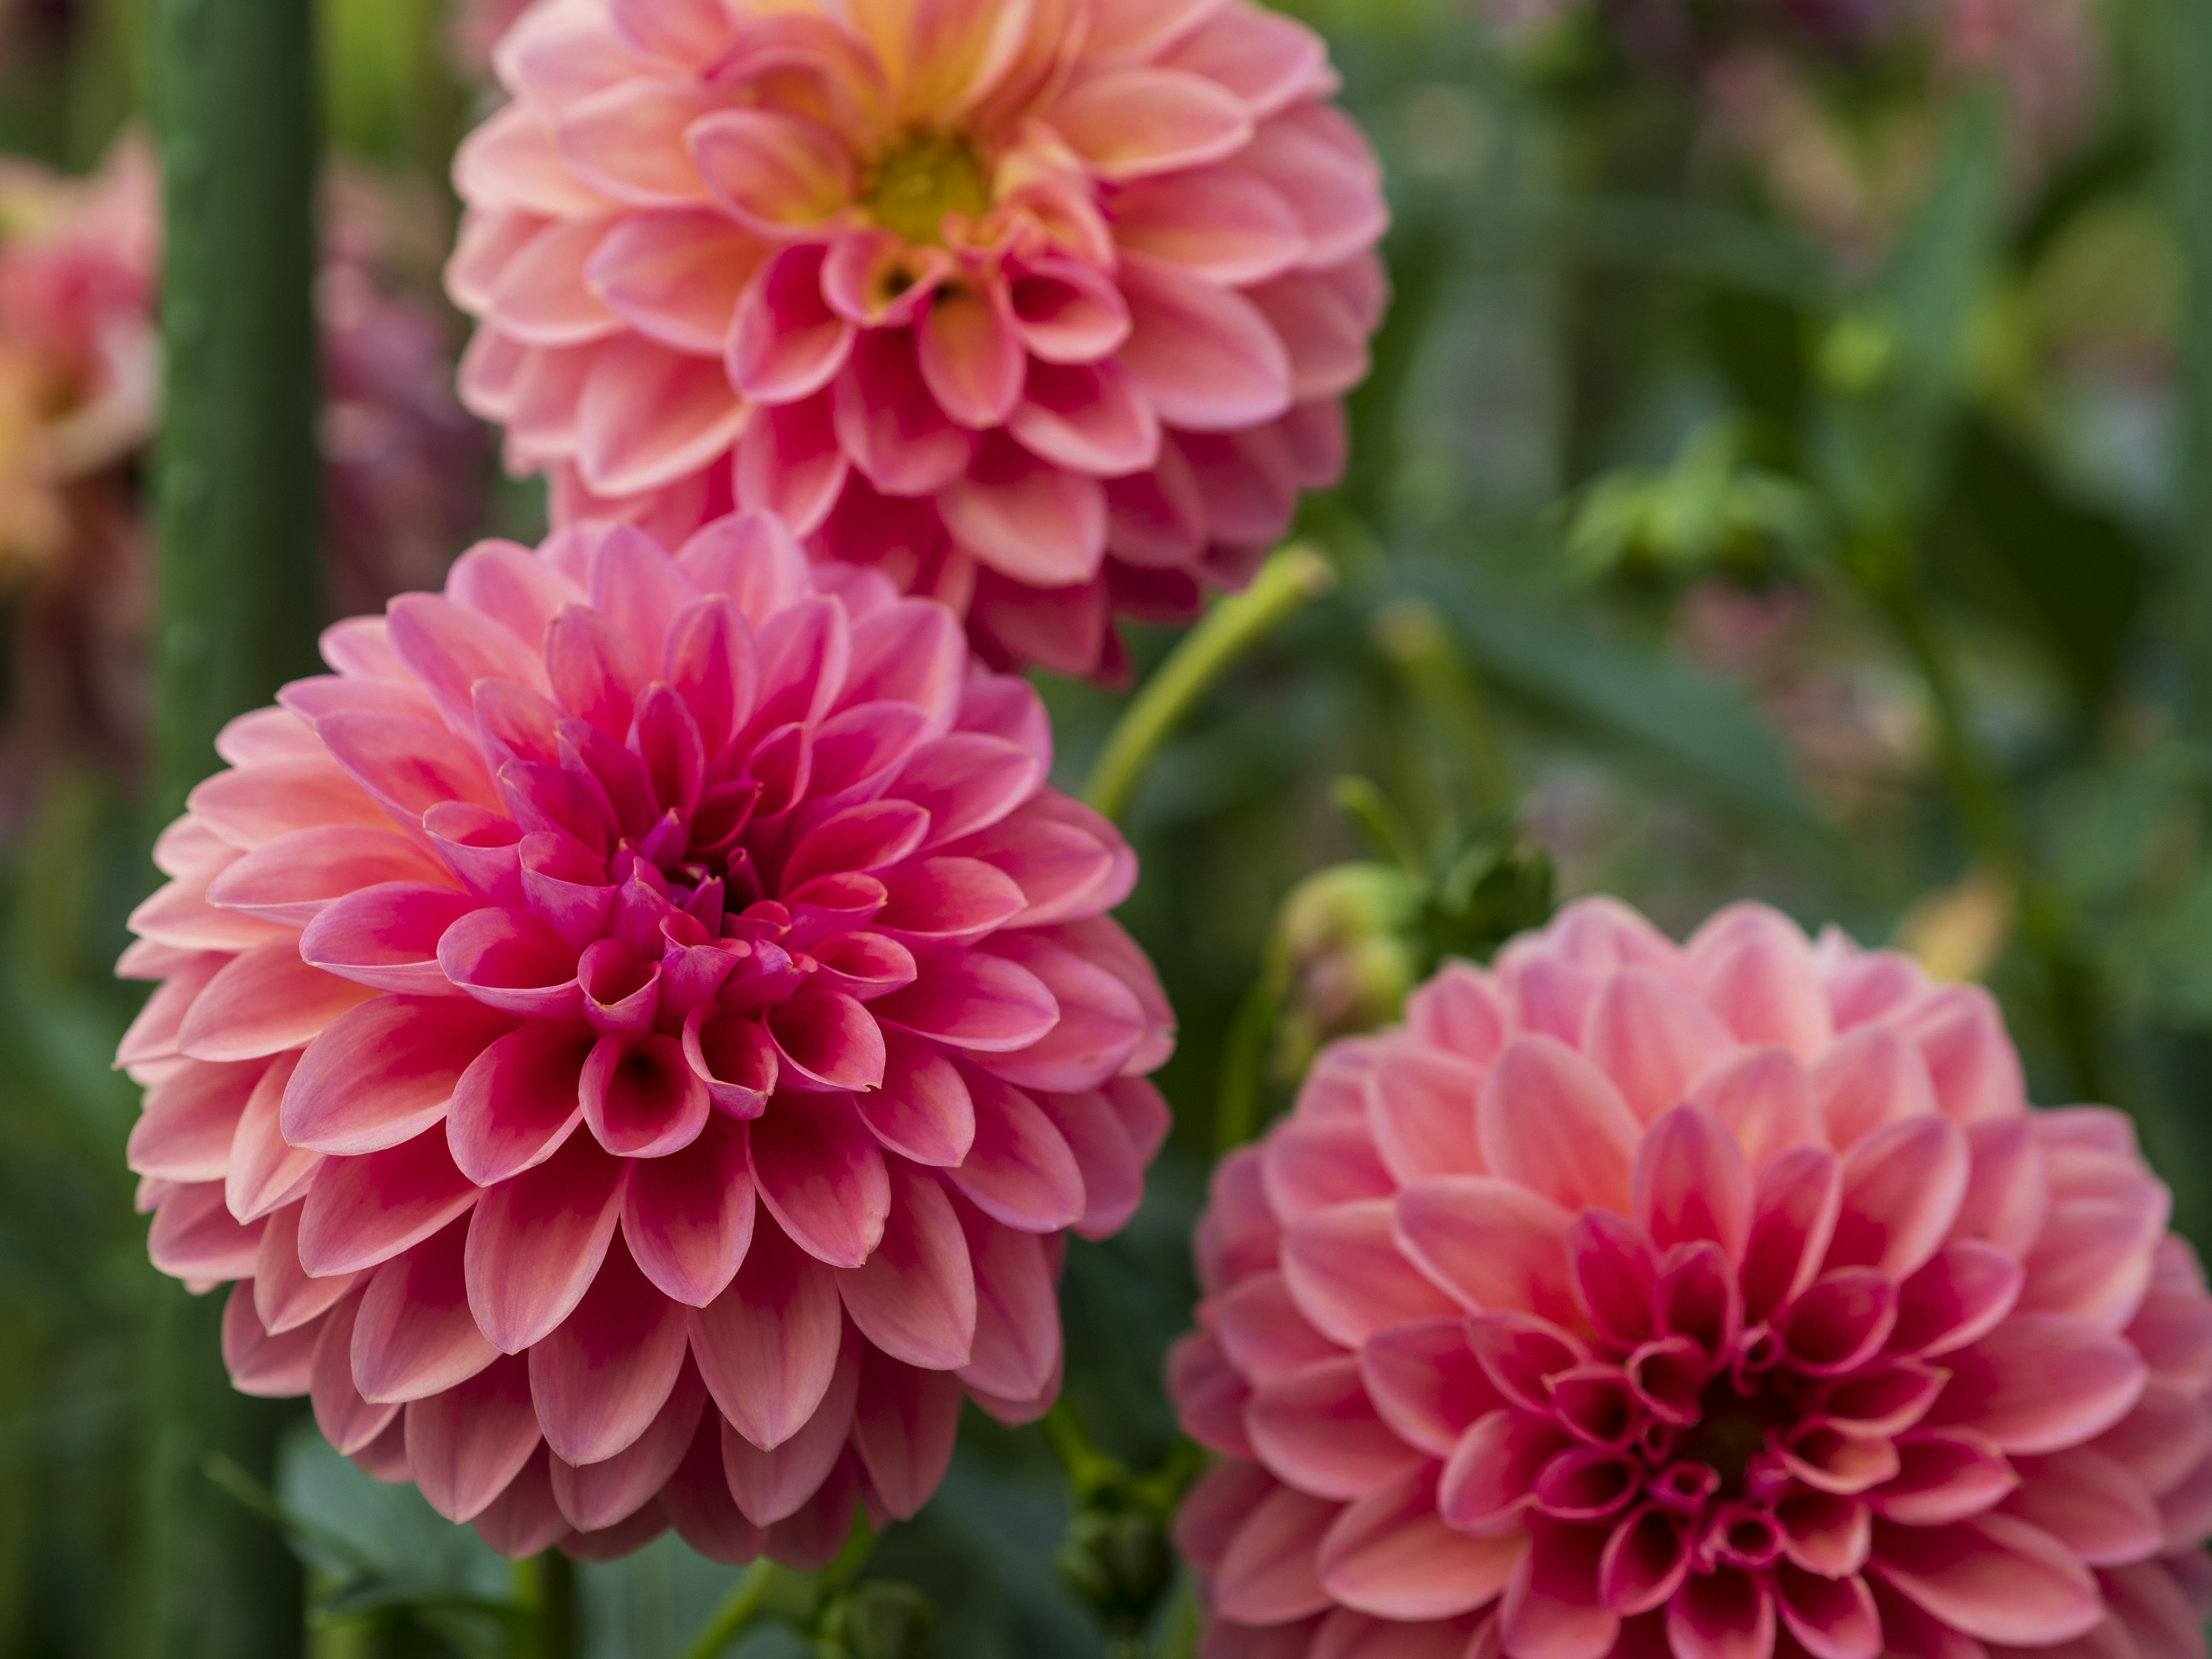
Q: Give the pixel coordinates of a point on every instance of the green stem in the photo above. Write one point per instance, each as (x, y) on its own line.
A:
(549, 1591)
(1286, 584)
(1244, 1062)
(740, 1610)
(1088, 1470)
(236, 526)
(2186, 33)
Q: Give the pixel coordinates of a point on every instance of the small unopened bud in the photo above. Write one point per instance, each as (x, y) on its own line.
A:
(878, 1619)
(1115, 1561)
(1349, 938)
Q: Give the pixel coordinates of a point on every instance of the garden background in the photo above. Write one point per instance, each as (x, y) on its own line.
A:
(1786, 471)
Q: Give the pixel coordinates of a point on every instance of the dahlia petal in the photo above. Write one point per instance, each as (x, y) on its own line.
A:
(822, 1177)
(1902, 1185)
(523, 1520)
(2163, 1438)
(1019, 1169)
(348, 1421)
(1942, 1478)
(888, 423)
(957, 51)
(1220, 223)
(767, 1345)
(600, 1378)
(773, 1485)
(922, 1112)
(1028, 520)
(265, 1000)
(1088, 418)
(915, 1295)
(691, 31)
(1550, 1119)
(1268, 61)
(1101, 1021)
(640, 1097)
(284, 1297)
(968, 781)
(1263, 1333)
(1205, 357)
(1016, 1354)
(465, 1445)
(2090, 1504)
(1839, 1322)
(413, 1334)
(540, 296)
(511, 161)
(687, 1217)
(271, 1366)
(903, 1424)
(1316, 161)
(2039, 1383)
(1209, 1394)
(1134, 123)
(407, 766)
(190, 1121)
(1612, 1272)
(2008, 1195)
(537, 1240)
(1427, 1383)
(1388, 1554)
(812, 1538)
(1794, 1214)
(1959, 1296)
(1269, 1574)
(969, 999)
(969, 354)
(362, 1211)
(266, 1170)
(1728, 1614)
(387, 937)
(2094, 1258)
(1490, 1478)
(1993, 1578)
(1970, 1062)
(1488, 1243)
(648, 416)
(1766, 1099)
(1316, 1429)
(1762, 978)
(1326, 337)
(294, 879)
(1420, 1111)
(384, 1072)
(1311, 1166)
(624, 1538)
(789, 463)
(1691, 1182)
(177, 915)
(775, 172)
(1350, 1280)
(630, 141)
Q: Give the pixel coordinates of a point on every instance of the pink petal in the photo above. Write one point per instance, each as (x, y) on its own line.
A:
(970, 1000)
(191, 1121)
(922, 1112)
(767, 1345)
(1550, 1119)
(787, 344)
(774, 171)
(1943, 1478)
(1261, 1330)
(601, 1376)
(1221, 224)
(1728, 1614)
(537, 1242)
(413, 1336)
(773, 1485)
(2039, 1383)
(523, 1520)
(1653, 1038)
(641, 1096)
(628, 140)
(1311, 1166)
(914, 1298)
(1133, 122)
(1027, 520)
(1793, 1217)
(687, 1217)
(1348, 1277)
(1269, 1575)
(387, 936)
(904, 1424)
(284, 1296)
(349, 1422)
(1691, 1182)
(384, 1072)
(1205, 357)
(649, 416)
(365, 1210)
(970, 355)
(1902, 1185)
(1957, 1298)
(1420, 1111)
(888, 423)
(271, 1367)
(292, 879)
(517, 1102)
(1019, 1168)
(1994, 1578)
(2090, 1504)
(1490, 1244)
(1390, 1555)
(822, 1176)
(1017, 1348)
(1766, 1099)
(1426, 1383)
(1316, 1429)
(463, 1446)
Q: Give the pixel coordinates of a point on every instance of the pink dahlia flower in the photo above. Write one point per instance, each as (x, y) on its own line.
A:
(637, 1032)
(1045, 307)
(1719, 1300)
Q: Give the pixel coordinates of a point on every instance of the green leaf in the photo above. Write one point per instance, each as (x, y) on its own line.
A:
(1687, 724)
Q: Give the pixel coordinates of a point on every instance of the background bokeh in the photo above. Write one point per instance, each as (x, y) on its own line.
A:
(1786, 473)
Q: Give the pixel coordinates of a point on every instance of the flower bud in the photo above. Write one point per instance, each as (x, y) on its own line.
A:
(878, 1619)
(1114, 1560)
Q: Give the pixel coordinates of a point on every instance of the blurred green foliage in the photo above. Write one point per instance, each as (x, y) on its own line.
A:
(1697, 544)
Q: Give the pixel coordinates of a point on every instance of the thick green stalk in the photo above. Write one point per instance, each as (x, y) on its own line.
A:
(236, 521)
(1286, 584)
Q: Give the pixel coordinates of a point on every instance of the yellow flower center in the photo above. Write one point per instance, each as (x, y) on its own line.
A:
(910, 189)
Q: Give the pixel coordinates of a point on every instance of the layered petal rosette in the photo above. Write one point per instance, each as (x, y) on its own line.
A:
(1716, 1301)
(636, 1032)
(1046, 307)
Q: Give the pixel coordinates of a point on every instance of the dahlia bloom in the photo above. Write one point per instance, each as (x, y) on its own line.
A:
(1720, 1300)
(1045, 307)
(636, 1032)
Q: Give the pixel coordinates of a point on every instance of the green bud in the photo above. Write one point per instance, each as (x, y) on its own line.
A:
(1349, 940)
(878, 1618)
(1115, 1561)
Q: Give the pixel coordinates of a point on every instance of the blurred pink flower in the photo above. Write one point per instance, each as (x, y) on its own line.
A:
(1044, 306)
(1724, 1300)
(637, 1032)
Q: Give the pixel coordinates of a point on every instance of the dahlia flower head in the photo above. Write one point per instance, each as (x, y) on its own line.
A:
(1716, 1301)
(636, 1033)
(1045, 307)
